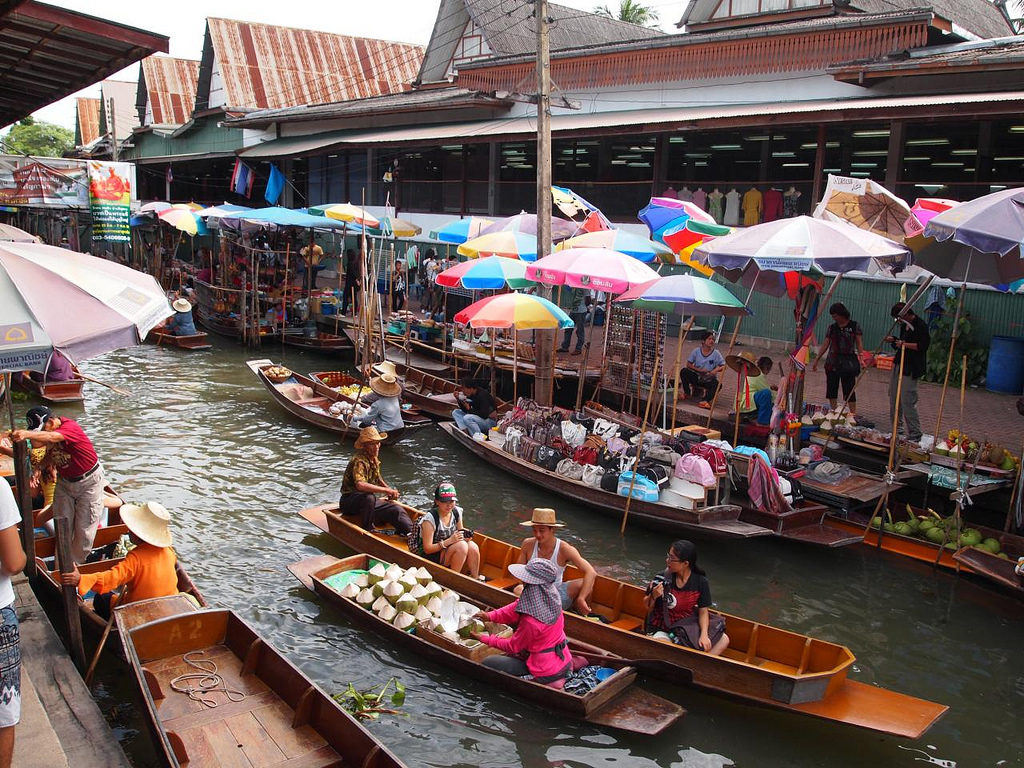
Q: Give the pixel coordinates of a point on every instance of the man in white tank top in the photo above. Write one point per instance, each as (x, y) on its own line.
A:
(547, 546)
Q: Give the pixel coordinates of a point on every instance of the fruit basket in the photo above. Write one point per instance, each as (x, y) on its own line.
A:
(277, 373)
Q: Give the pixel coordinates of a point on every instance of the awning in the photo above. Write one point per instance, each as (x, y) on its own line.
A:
(645, 119)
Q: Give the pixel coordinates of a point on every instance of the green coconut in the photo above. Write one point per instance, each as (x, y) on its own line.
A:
(903, 529)
(423, 576)
(362, 581)
(394, 572)
(403, 620)
(393, 591)
(971, 537)
(468, 626)
(433, 588)
(350, 590)
(387, 613)
(376, 573)
(876, 522)
(419, 594)
(434, 604)
(422, 614)
(935, 534)
(407, 582)
(407, 603)
(379, 604)
(365, 598)
(992, 545)
(380, 586)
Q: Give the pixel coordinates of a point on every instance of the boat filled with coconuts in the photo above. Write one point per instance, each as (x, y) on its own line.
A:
(419, 609)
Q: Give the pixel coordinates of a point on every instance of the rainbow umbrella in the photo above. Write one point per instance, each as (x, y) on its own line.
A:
(487, 274)
(184, 219)
(598, 268)
(527, 224)
(514, 310)
(351, 214)
(637, 246)
(507, 242)
(685, 295)
(393, 227)
(572, 204)
(662, 211)
(460, 230)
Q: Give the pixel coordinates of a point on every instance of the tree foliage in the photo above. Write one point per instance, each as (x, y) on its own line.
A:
(967, 344)
(33, 137)
(632, 12)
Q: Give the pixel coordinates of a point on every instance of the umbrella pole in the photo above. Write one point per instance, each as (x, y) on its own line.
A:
(492, 359)
(284, 291)
(949, 358)
(515, 367)
(741, 376)
(640, 445)
(632, 356)
(882, 506)
(679, 363)
(732, 346)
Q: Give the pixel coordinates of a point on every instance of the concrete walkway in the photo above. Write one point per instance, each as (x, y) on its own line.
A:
(60, 723)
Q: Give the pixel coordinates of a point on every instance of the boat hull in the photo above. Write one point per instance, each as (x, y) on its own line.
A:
(193, 341)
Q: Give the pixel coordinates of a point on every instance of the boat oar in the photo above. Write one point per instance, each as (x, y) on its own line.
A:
(119, 390)
(103, 637)
(882, 507)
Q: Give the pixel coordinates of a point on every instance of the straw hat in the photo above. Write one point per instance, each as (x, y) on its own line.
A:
(150, 522)
(181, 305)
(536, 571)
(384, 366)
(543, 516)
(370, 435)
(386, 385)
(743, 360)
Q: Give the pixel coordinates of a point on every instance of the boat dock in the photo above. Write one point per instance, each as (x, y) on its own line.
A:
(61, 725)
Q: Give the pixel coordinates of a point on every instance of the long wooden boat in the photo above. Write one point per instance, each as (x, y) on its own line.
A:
(310, 401)
(229, 327)
(720, 520)
(985, 566)
(763, 664)
(321, 342)
(281, 717)
(192, 341)
(68, 391)
(614, 702)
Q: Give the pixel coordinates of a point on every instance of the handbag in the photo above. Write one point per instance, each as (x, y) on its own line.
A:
(713, 455)
(570, 469)
(604, 428)
(548, 458)
(656, 473)
(513, 435)
(610, 481)
(585, 455)
(574, 434)
(663, 454)
(593, 475)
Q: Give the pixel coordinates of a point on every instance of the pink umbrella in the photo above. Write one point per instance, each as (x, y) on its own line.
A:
(601, 269)
(927, 208)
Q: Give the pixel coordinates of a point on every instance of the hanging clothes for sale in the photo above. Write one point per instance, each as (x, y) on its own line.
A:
(772, 204)
(791, 202)
(715, 205)
(700, 199)
(753, 202)
(732, 208)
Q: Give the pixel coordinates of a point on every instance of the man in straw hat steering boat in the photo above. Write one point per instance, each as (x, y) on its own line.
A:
(362, 482)
(181, 324)
(545, 545)
(147, 570)
(386, 410)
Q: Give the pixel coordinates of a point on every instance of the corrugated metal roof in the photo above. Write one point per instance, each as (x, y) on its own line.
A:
(638, 120)
(170, 88)
(125, 116)
(264, 66)
(1007, 53)
(87, 120)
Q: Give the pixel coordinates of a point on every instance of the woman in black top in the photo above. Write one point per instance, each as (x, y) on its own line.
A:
(844, 343)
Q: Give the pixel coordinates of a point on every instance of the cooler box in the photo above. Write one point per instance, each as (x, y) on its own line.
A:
(684, 494)
(644, 488)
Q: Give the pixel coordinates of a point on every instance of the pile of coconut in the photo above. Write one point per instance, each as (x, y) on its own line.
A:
(411, 598)
(826, 421)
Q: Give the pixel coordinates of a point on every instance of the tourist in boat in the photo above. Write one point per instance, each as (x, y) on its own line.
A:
(146, 571)
(440, 535)
(12, 561)
(386, 410)
(477, 411)
(363, 481)
(79, 493)
(700, 376)
(545, 545)
(678, 603)
(181, 323)
(844, 344)
(913, 343)
(538, 646)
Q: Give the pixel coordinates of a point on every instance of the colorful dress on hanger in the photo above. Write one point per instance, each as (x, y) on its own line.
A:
(700, 199)
(772, 204)
(753, 201)
(791, 204)
(732, 208)
(715, 206)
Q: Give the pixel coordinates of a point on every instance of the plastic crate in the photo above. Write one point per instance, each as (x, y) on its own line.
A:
(885, 362)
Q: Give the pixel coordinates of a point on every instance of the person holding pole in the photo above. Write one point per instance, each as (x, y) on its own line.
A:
(913, 340)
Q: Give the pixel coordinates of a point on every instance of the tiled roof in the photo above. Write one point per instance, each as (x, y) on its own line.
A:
(980, 17)
(1007, 53)
(87, 120)
(170, 88)
(265, 66)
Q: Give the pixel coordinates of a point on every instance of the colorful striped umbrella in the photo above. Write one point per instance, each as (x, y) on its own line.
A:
(506, 242)
(514, 310)
(637, 246)
(351, 214)
(488, 274)
(184, 219)
(393, 227)
(600, 269)
(527, 224)
(460, 230)
(685, 295)
(664, 210)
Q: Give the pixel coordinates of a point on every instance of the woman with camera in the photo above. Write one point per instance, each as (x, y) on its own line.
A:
(440, 536)
(678, 603)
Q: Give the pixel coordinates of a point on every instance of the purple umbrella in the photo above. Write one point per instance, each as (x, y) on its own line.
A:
(526, 223)
(992, 224)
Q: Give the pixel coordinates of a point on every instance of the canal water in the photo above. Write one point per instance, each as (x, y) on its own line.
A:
(200, 435)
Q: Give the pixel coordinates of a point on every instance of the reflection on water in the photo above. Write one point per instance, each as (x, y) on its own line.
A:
(201, 435)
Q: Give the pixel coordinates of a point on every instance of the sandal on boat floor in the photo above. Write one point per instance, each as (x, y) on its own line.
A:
(704, 404)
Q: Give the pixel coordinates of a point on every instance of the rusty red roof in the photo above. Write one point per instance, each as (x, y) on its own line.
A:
(87, 120)
(167, 90)
(262, 66)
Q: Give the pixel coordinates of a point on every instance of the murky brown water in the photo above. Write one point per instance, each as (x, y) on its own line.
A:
(200, 435)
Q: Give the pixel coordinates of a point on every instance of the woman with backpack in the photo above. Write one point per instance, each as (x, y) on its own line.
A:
(439, 536)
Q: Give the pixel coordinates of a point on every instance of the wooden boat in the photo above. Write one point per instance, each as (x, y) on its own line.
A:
(321, 342)
(969, 560)
(614, 702)
(764, 664)
(282, 718)
(720, 520)
(54, 391)
(192, 341)
(432, 395)
(310, 401)
(223, 325)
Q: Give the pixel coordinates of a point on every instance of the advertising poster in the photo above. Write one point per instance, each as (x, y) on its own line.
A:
(43, 181)
(110, 200)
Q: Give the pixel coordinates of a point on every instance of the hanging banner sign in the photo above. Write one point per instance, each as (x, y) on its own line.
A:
(110, 200)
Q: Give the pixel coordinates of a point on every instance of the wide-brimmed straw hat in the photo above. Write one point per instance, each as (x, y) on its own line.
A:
(181, 305)
(386, 385)
(370, 435)
(536, 571)
(384, 366)
(743, 360)
(543, 516)
(150, 521)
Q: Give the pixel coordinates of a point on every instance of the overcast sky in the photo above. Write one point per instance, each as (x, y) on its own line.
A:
(408, 21)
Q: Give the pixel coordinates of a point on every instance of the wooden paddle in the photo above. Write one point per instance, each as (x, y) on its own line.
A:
(106, 633)
(119, 390)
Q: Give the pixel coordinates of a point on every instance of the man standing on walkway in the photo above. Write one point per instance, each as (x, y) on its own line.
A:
(79, 493)
(579, 303)
(353, 281)
(913, 341)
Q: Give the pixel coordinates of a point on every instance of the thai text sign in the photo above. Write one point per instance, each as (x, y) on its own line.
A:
(110, 199)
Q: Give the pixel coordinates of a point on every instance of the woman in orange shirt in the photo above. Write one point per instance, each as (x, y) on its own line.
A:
(147, 570)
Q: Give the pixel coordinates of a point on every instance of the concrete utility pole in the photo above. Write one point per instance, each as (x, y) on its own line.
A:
(543, 387)
(113, 129)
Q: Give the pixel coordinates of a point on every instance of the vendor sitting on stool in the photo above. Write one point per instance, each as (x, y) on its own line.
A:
(181, 324)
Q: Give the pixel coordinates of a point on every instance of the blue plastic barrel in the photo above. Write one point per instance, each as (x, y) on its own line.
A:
(1005, 365)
